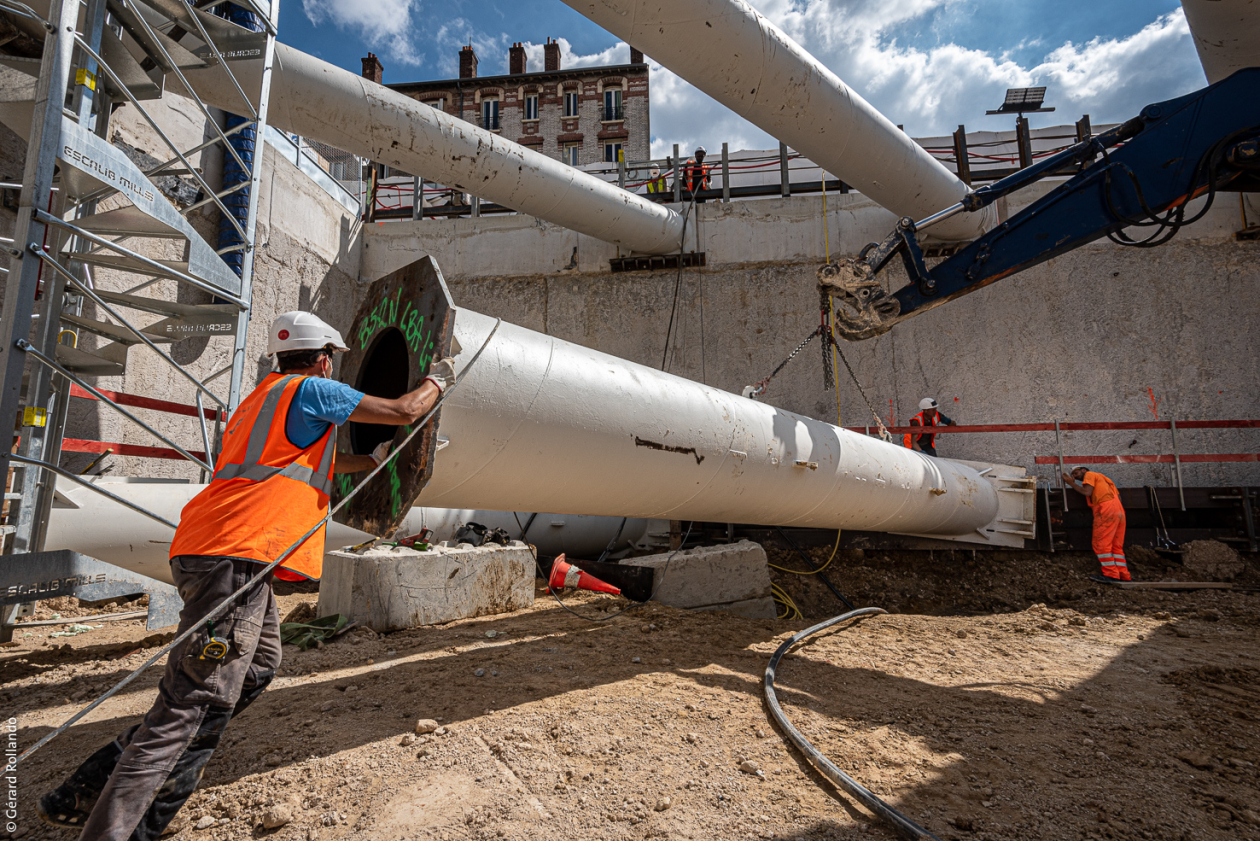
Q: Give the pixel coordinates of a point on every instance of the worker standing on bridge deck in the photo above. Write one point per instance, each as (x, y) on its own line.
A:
(656, 182)
(1109, 520)
(929, 415)
(271, 485)
(697, 174)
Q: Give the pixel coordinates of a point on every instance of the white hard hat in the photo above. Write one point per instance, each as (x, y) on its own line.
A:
(927, 403)
(302, 331)
(700, 151)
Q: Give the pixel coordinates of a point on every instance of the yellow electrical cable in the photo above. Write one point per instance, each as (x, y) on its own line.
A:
(790, 610)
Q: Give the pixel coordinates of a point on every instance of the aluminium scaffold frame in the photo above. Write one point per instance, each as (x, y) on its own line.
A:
(98, 55)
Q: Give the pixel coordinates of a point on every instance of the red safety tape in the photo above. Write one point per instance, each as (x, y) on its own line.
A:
(124, 399)
(80, 445)
(1069, 427)
(1199, 458)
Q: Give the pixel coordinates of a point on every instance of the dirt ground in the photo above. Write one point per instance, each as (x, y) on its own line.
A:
(1006, 696)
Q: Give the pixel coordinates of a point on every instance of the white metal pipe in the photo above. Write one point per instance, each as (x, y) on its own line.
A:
(727, 49)
(101, 528)
(1226, 34)
(318, 100)
(544, 423)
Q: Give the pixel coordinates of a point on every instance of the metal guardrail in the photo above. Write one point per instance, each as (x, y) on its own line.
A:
(294, 154)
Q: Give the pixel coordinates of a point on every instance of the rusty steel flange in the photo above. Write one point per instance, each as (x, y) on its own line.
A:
(406, 321)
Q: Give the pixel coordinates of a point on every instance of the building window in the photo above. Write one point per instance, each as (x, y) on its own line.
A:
(531, 106)
(613, 152)
(439, 104)
(613, 109)
(570, 103)
(490, 114)
(569, 153)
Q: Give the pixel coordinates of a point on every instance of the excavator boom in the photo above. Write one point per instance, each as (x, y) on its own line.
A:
(1138, 177)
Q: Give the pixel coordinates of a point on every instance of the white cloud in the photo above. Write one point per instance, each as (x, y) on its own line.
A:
(385, 25)
(934, 90)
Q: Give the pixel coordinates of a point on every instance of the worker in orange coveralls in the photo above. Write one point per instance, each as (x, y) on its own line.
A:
(1108, 520)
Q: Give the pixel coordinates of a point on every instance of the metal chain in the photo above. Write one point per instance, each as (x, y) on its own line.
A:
(830, 340)
(760, 388)
(883, 430)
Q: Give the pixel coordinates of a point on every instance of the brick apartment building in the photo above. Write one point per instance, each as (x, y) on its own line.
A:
(579, 116)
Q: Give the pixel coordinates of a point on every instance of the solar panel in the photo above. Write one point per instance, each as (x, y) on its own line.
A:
(1029, 97)
(1022, 100)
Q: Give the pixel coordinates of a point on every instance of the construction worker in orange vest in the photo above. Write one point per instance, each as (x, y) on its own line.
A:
(1109, 520)
(697, 174)
(270, 486)
(929, 415)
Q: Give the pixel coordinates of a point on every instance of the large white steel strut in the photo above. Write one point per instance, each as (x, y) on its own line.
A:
(1226, 35)
(545, 424)
(727, 49)
(318, 100)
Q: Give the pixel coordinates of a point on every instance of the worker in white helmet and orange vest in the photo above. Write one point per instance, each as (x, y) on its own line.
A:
(271, 485)
(929, 415)
(1109, 520)
(697, 174)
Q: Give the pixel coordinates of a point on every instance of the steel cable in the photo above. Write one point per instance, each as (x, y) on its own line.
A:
(267, 570)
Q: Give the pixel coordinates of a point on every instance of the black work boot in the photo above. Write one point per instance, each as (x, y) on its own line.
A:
(69, 804)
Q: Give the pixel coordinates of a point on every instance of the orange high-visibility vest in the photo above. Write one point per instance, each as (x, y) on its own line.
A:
(1104, 489)
(931, 442)
(265, 493)
(697, 175)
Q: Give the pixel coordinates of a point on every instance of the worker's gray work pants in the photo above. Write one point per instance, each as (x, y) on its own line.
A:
(163, 757)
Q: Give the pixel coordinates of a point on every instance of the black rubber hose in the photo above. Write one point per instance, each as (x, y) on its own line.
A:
(843, 781)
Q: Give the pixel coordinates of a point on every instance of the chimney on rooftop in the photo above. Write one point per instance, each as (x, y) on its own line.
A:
(467, 63)
(551, 51)
(516, 59)
(372, 68)
(636, 57)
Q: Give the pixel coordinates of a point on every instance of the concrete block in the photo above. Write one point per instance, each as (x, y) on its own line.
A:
(391, 588)
(710, 575)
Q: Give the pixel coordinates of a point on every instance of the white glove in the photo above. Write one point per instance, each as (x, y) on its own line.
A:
(379, 454)
(442, 373)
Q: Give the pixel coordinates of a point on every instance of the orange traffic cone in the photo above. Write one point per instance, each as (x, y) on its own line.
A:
(564, 574)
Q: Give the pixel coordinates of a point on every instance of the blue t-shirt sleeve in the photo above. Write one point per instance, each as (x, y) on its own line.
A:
(319, 403)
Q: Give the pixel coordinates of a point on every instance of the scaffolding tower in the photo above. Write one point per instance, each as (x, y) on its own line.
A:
(88, 206)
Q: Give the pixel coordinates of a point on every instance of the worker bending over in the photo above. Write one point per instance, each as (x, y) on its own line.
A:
(270, 486)
(929, 415)
(1109, 520)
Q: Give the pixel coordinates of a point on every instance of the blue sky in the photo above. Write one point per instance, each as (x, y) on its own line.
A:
(930, 64)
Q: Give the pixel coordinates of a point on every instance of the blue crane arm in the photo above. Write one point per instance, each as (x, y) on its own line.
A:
(1139, 177)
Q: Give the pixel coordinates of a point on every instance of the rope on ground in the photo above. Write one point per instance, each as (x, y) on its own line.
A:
(904, 825)
(267, 570)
